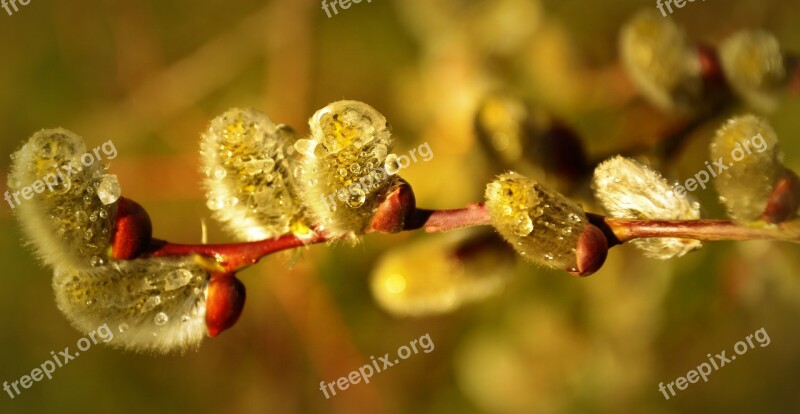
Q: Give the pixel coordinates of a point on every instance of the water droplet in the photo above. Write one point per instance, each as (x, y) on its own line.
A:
(177, 278)
(151, 303)
(355, 168)
(103, 213)
(161, 318)
(392, 166)
(523, 225)
(96, 261)
(343, 172)
(215, 203)
(88, 235)
(123, 327)
(268, 164)
(356, 198)
(219, 172)
(109, 190)
(380, 151)
(81, 216)
(185, 318)
(548, 256)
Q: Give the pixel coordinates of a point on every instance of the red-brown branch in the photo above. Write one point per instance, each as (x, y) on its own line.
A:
(236, 256)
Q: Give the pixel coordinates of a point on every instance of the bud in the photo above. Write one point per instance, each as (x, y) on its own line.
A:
(785, 198)
(346, 169)
(754, 66)
(154, 304)
(247, 165)
(441, 273)
(66, 208)
(544, 226)
(132, 230)
(532, 142)
(396, 209)
(747, 147)
(628, 189)
(226, 295)
(661, 62)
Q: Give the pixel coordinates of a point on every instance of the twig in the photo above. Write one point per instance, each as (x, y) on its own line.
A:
(236, 256)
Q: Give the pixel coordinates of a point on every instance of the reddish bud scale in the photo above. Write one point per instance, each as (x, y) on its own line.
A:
(784, 200)
(395, 210)
(710, 66)
(224, 302)
(591, 251)
(132, 230)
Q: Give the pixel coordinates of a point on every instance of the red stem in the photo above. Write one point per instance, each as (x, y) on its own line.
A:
(236, 256)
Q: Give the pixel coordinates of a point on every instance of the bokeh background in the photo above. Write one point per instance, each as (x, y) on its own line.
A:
(149, 75)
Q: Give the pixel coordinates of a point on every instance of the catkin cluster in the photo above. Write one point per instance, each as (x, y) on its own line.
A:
(679, 76)
(153, 304)
(263, 181)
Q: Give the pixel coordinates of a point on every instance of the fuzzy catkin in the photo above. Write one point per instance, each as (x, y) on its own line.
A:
(754, 66)
(539, 223)
(346, 167)
(748, 146)
(629, 189)
(70, 225)
(425, 278)
(661, 62)
(149, 304)
(247, 164)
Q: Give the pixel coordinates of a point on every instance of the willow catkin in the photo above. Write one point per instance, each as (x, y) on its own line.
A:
(430, 277)
(538, 222)
(69, 216)
(747, 147)
(155, 304)
(754, 66)
(247, 164)
(629, 189)
(661, 62)
(346, 167)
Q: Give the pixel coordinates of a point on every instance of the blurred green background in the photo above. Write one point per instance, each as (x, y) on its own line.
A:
(149, 75)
